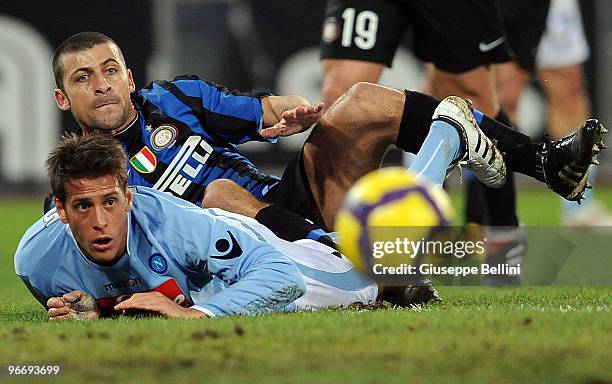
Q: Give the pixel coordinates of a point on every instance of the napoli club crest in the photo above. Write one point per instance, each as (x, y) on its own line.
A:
(158, 264)
(163, 137)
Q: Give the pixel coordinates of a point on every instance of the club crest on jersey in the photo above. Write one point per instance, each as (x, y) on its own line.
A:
(331, 30)
(158, 264)
(163, 137)
(144, 161)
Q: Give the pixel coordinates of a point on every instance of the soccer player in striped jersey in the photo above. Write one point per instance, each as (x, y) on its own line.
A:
(180, 135)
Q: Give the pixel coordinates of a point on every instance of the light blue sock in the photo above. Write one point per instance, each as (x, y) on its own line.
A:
(440, 148)
(571, 207)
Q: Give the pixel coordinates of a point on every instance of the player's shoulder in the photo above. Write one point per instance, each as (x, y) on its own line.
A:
(192, 86)
(45, 242)
(147, 196)
(156, 86)
(180, 92)
(154, 206)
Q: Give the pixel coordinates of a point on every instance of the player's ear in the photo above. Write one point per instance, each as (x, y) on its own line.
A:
(131, 84)
(61, 100)
(61, 212)
(129, 197)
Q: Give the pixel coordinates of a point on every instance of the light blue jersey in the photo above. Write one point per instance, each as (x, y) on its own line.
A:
(198, 259)
(212, 260)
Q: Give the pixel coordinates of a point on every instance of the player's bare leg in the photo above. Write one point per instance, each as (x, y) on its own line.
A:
(568, 104)
(228, 195)
(477, 84)
(511, 80)
(350, 140)
(339, 75)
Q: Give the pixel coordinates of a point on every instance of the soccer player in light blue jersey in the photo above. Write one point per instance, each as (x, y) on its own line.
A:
(108, 249)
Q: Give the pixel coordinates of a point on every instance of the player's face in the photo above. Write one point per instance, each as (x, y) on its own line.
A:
(97, 87)
(96, 211)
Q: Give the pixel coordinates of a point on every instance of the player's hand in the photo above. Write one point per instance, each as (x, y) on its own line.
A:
(157, 303)
(294, 121)
(75, 305)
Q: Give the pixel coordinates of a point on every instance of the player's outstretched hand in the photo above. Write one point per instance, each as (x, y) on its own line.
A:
(294, 121)
(73, 305)
(156, 302)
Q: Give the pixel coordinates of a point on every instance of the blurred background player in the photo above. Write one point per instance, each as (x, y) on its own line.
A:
(556, 59)
(461, 39)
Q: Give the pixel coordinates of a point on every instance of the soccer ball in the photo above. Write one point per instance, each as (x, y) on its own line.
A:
(386, 204)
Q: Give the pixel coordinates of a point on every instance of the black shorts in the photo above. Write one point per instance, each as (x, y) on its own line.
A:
(293, 193)
(524, 22)
(455, 35)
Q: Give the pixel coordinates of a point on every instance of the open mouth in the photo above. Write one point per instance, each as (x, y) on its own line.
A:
(102, 243)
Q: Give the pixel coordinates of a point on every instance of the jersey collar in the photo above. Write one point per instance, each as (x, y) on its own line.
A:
(128, 126)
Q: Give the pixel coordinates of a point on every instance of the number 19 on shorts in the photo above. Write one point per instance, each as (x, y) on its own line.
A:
(359, 28)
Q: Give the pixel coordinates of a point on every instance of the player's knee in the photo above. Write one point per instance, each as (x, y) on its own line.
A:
(466, 87)
(509, 97)
(217, 191)
(366, 97)
(475, 84)
(348, 109)
(360, 91)
(332, 91)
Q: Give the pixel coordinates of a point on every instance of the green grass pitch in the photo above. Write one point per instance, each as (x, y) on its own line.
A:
(553, 334)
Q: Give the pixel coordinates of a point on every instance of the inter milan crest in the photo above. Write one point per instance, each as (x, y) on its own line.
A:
(163, 137)
(144, 161)
(331, 30)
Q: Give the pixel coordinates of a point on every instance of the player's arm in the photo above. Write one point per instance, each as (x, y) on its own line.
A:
(156, 302)
(262, 280)
(73, 305)
(258, 277)
(288, 115)
(227, 116)
(238, 117)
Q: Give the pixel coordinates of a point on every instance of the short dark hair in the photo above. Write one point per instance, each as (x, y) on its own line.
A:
(75, 43)
(88, 156)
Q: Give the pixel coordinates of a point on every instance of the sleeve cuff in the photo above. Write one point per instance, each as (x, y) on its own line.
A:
(206, 311)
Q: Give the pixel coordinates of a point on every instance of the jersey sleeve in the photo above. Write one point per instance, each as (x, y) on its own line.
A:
(258, 278)
(38, 295)
(40, 255)
(261, 279)
(233, 116)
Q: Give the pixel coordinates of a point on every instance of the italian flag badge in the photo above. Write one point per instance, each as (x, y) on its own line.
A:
(144, 161)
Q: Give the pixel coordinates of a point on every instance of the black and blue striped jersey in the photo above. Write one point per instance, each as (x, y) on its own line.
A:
(185, 137)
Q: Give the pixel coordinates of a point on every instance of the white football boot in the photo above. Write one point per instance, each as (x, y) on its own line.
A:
(480, 155)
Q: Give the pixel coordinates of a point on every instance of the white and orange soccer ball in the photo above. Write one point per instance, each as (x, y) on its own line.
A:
(388, 202)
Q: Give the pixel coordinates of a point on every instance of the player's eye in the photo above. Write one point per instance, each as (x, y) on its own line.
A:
(111, 202)
(82, 78)
(82, 206)
(111, 71)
